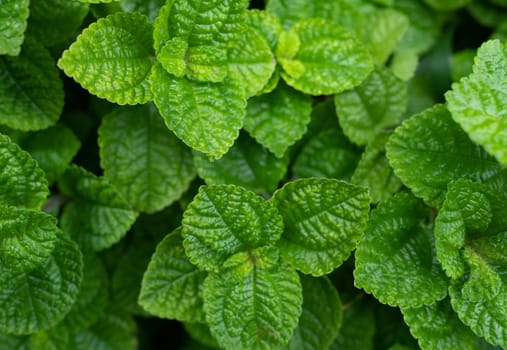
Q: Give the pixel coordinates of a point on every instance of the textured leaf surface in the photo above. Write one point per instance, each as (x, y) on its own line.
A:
(31, 92)
(436, 326)
(321, 317)
(149, 8)
(171, 284)
(13, 16)
(478, 104)
(431, 143)
(22, 182)
(327, 154)
(323, 221)
(40, 298)
(374, 171)
(119, 45)
(27, 238)
(53, 149)
(225, 219)
(278, 119)
(254, 302)
(319, 58)
(379, 102)
(265, 24)
(247, 164)
(357, 330)
(147, 164)
(206, 116)
(395, 260)
(97, 216)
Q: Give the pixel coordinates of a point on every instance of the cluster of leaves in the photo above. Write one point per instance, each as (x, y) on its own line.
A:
(324, 184)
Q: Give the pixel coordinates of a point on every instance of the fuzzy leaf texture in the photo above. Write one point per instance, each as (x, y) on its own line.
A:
(395, 260)
(431, 143)
(477, 102)
(13, 17)
(31, 92)
(223, 220)
(254, 301)
(147, 164)
(323, 219)
(22, 182)
(97, 216)
(205, 116)
(320, 58)
(119, 45)
(171, 284)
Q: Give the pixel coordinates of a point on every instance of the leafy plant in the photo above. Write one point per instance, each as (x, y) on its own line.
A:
(280, 175)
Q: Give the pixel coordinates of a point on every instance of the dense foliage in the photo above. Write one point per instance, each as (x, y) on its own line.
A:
(205, 174)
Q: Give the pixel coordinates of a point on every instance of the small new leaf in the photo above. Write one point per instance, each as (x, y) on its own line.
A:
(13, 16)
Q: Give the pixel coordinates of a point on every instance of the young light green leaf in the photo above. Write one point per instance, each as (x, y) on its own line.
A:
(247, 164)
(40, 298)
(54, 21)
(223, 220)
(278, 119)
(97, 216)
(323, 58)
(31, 92)
(323, 219)
(477, 103)
(395, 259)
(431, 143)
(404, 64)
(149, 8)
(384, 30)
(119, 45)
(447, 5)
(357, 330)
(206, 116)
(53, 149)
(267, 25)
(436, 326)
(328, 154)
(374, 172)
(251, 62)
(13, 18)
(22, 182)
(27, 238)
(147, 164)
(321, 318)
(379, 102)
(253, 302)
(171, 284)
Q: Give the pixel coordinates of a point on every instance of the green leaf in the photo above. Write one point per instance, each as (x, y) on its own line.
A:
(31, 92)
(323, 219)
(395, 259)
(201, 333)
(223, 220)
(119, 45)
(431, 143)
(384, 30)
(404, 64)
(12, 342)
(253, 302)
(357, 330)
(462, 63)
(374, 172)
(54, 21)
(267, 25)
(436, 326)
(56, 338)
(13, 18)
(40, 298)
(447, 5)
(27, 238)
(323, 58)
(486, 13)
(477, 102)
(22, 182)
(251, 61)
(321, 318)
(171, 284)
(147, 164)
(328, 154)
(379, 102)
(149, 8)
(97, 216)
(206, 116)
(201, 32)
(247, 164)
(53, 149)
(278, 119)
